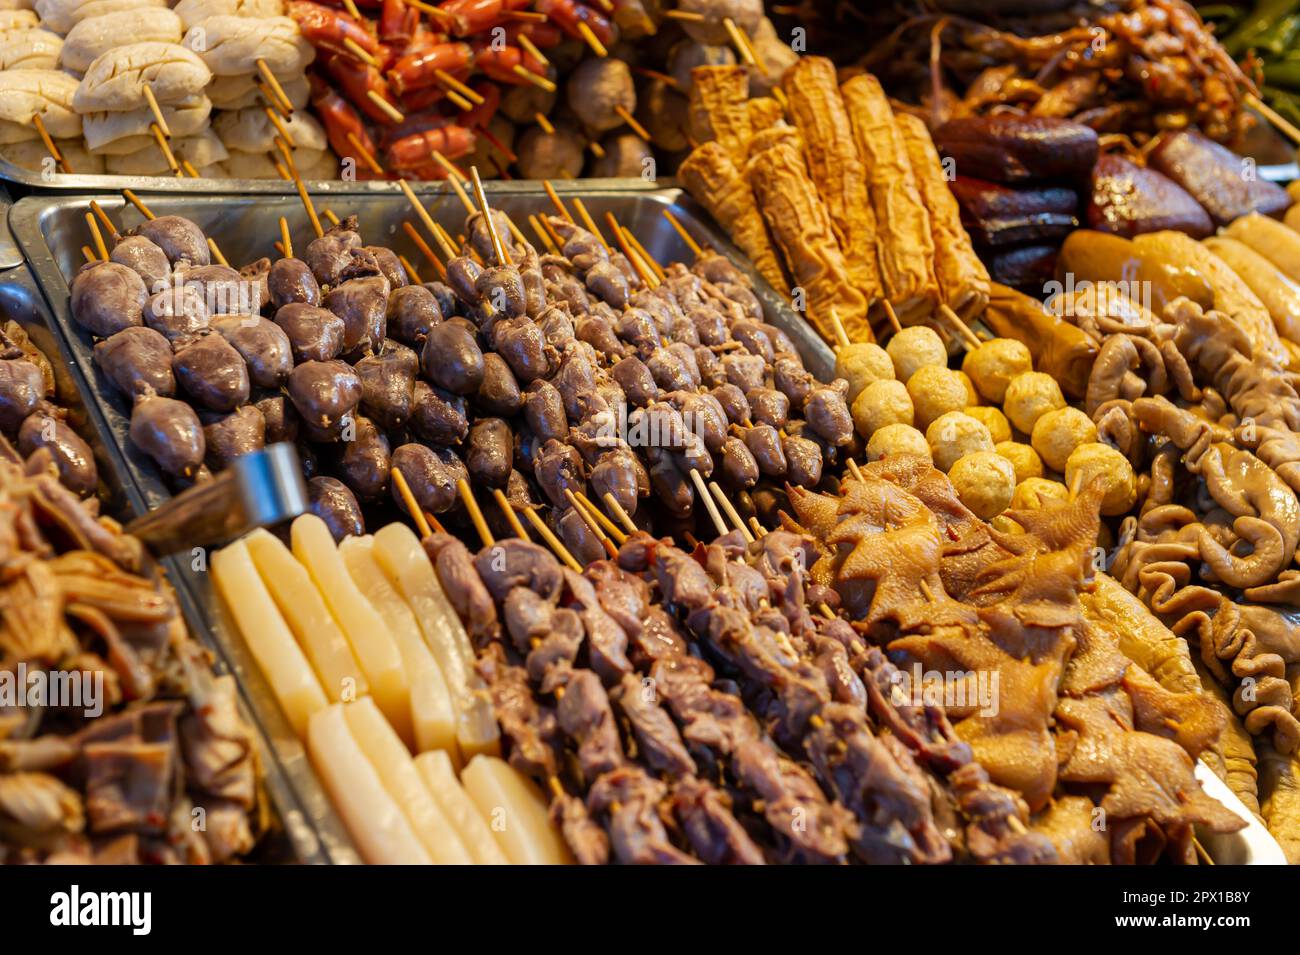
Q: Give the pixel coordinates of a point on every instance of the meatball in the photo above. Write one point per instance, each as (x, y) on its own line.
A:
(1057, 433)
(861, 364)
(882, 403)
(452, 359)
(895, 439)
(747, 14)
(992, 366)
(544, 155)
(627, 156)
(597, 88)
(1030, 396)
(1022, 457)
(1101, 462)
(1033, 492)
(985, 482)
(993, 419)
(935, 390)
(954, 435)
(916, 347)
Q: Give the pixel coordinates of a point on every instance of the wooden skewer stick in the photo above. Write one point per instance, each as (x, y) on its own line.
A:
(757, 528)
(364, 154)
(503, 255)
(454, 177)
(436, 12)
(841, 336)
(590, 223)
(616, 509)
(385, 107)
(703, 494)
(359, 52)
(154, 108)
(1273, 116)
(550, 230)
(306, 200)
(745, 46)
(556, 201)
(641, 268)
(446, 243)
(419, 208)
(592, 40)
(541, 82)
(656, 75)
(216, 253)
(351, 7)
(641, 251)
(450, 82)
(189, 169)
(423, 246)
(512, 518)
(460, 102)
(597, 149)
(542, 234)
(50, 147)
(606, 5)
(891, 315)
(729, 510)
(610, 527)
(286, 243)
(857, 472)
(282, 102)
(132, 198)
(544, 123)
(681, 230)
(166, 149)
(592, 524)
(100, 214)
(412, 507)
(329, 214)
(684, 15)
(96, 235)
(475, 515)
(533, 16)
(89, 254)
(551, 540)
(968, 336)
(282, 129)
(529, 47)
(410, 269)
(282, 172)
(631, 121)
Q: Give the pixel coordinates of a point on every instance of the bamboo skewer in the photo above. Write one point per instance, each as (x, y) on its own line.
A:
(166, 149)
(503, 256)
(89, 254)
(616, 509)
(968, 336)
(423, 246)
(306, 200)
(132, 198)
(286, 243)
(49, 143)
(641, 250)
(100, 214)
(364, 154)
(590, 223)
(592, 40)
(410, 269)
(684, 15)
(512, 518)
(454, 177)
(1274, 117)
(631, 121)
(445, 243)
(529, 47)
(475, 515)
(597, 149)
(591, 523)
(730, 511)
(412, 506)
(681, 230)
(544, 123)
(154, 108)
(216, 253)
(419, 208)
(891, 315)
(543, 236)
(97, 236)
(551, 540)
(841, 336)
(541, 82)
(189, 169)
(703, 494)
(359, 52)
(282, 102)
(745, 46)
(610, 527)
(385, 107)
(555, 201)
(640, 267)
(450, 82)
(282, 129)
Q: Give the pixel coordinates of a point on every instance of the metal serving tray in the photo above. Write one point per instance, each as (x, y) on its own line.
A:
(294, 836)
(50, 231)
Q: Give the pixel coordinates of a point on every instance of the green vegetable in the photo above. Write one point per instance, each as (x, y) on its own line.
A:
(1260, 20)
(1280, 37)
(1284, 73)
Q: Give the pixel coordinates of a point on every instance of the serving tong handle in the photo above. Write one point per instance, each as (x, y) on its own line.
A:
(259, 489)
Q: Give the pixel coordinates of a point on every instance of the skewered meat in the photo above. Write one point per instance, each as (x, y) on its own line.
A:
(169, 432)
(1214, 177)
(1007, 148)
(412, 311)
(229, 436)
(290, 280)
(499, 393)
(135, 359)
(70, 453)
(331, 501)
(431, 474)
(212, 372)
(108, 297)
(329, 255)
(262, 344)
(178, 237)
(142, 256)
(437, 416)
(558, 468)
(1128, 199)
(323, 392)
(388, 385)
(364, 464)
(315, 334)
(21, 389)
(452, 359)
(178, 312)
(362, 303)
(490, 452)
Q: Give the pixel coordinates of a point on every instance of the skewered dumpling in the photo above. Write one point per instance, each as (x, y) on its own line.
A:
(49, 94)
(596, 88)
(29, 49)
(196, 11)
(92, 38)
(33, 155)
(115, 81)
(746, 13)
(62, 15)
(232, 45)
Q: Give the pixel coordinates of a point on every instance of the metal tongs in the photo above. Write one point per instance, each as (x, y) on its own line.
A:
(257, 490)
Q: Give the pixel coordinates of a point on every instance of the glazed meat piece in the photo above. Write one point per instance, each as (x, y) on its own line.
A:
(1128, 199)
(22, 387)
(557, 327)
(827, 413)
(744, 296)
(657, 737)
(669, 483)
(330, 500)
(210, 371)
(262, 344)
(764, 444)
(499, 394)
(754, 338)
(793, 380)
(134, 359)
(712, 373)
(557, 467)
(746, 372)
(615, 472)
(222, 289)
(1011, 148)
(178, 237)
(563, 287)
(388, 385)
(803, 458)
(1212, 173)
(390, 266)
(522, 344)
(636, 381)
(444, 296)
(315, 334)
(431, 474)
(363, 305)
(575, 380)
(577, 536)
(323, 392)
(669, 371)
(71, 455)
(782, 344)
(718, 269)
(290, 281)
(738, 465)
(452, 360)
(146, 259)
(703, 415)
(491, 450)
(169, 432)
(502, 288)
(597, 331)
(734, 404)
(585, 717)
(437, 416)
(637, 327)
(682, 330)
(769, 406)
(177, 312)
(713, 831)
(1000, 216)
(228, 436)
(107, 297)
(686, 355)
(608, 283)
(710, 326)
(462, 276)
(280, 417)
(412, 311)
(544, 412)
(364, 464)
(630, 800)
(329, 255)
